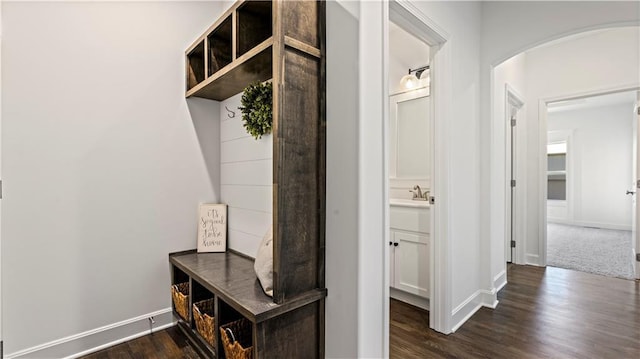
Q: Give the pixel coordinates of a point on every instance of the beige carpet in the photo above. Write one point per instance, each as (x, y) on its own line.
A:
(593, 250)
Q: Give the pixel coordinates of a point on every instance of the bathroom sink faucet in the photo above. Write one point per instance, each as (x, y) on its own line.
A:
(418, 195)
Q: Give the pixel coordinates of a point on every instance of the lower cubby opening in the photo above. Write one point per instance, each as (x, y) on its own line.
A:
(178, 276)
(236, 333)
(180, 293)
(203, 314)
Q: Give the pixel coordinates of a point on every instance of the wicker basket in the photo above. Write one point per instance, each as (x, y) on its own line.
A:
(236, 339)
(205, 321)
(180, 295)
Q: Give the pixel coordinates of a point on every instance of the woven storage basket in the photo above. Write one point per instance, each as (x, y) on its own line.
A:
(180, 295)
(241, 348)
(205, 322)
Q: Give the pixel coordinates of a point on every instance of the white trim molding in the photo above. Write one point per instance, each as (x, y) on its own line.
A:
(533, 260)
(415, 300)
(499, 281)
(464, 311)
(84, 343)
(614, 226)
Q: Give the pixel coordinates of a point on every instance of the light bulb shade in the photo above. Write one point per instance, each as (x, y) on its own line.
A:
(409, 81)
(424, 80)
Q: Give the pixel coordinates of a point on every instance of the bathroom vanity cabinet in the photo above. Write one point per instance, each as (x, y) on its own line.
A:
(409, 252)
(255, 41)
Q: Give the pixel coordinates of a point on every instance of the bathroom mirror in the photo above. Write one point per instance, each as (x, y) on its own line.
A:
(410, 136)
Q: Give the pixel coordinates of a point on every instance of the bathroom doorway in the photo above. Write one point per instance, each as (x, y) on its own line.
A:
(432, 71)
(410, 159)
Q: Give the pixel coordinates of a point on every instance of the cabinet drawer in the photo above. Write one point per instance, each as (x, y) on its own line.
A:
(410, 219)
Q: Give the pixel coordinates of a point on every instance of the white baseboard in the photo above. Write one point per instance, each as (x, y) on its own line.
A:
(532, 259)
(409, 298)
(489, 298)
(464, 311)
(81, 344)
(620, 227)
(500, 280)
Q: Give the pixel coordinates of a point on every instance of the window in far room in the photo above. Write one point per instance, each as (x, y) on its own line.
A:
(557, 171)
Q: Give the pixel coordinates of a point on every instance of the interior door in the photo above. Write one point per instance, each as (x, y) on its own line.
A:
(511, 182)
(512, 185)
(636, 184)
(513, 105)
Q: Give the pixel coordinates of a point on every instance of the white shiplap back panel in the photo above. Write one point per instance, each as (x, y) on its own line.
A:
(256, 198)
(246, 178)
(245, 149)
(249, 221)
(229, 129)
(257, 173)
(243, 242)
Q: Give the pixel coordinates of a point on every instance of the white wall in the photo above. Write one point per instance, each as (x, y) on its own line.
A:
(104, 165)
(246, 180)
(372, 191)
(405, 52)
(341, 271)
(509, 73)
(1, 317)
(600, 158)
(509, 28)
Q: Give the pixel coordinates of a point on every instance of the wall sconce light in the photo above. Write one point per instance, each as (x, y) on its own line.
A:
(410, 80)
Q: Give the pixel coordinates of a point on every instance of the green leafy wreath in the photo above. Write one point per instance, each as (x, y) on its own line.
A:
(257, 108)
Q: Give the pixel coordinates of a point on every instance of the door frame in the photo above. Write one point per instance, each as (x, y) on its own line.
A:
(515, 100)
(635, 185)
(542, 154)
(410, 18)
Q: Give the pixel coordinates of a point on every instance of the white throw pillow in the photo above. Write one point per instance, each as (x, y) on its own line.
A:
(264, 263)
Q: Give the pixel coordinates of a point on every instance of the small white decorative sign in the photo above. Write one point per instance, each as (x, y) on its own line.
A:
(212, 228)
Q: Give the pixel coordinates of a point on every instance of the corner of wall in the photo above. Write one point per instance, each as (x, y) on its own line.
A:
(205, 115)
(479, 299)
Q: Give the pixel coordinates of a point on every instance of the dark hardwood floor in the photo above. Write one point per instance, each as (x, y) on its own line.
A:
(543, 313)
(164, 344)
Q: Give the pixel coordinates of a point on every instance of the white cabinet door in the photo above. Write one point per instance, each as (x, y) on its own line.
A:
(411, 263)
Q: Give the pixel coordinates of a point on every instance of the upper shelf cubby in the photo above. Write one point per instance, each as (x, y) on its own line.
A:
(195, 66)
(220, 42)
(239, 51)
(254, 25)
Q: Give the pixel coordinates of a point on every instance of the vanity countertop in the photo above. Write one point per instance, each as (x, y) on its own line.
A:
(408, 203)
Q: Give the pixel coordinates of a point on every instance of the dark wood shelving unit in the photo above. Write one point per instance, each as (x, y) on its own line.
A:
(283, 41)
(229, 278)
